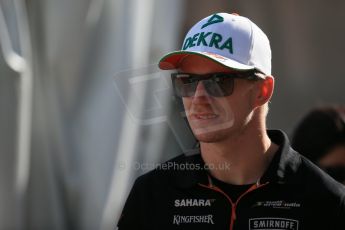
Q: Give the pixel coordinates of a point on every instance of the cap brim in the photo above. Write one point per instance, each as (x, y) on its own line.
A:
(174, 59)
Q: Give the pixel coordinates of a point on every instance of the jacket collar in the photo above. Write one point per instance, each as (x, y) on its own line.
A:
(284, 164)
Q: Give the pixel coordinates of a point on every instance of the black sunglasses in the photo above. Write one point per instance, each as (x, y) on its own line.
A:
(216, 84)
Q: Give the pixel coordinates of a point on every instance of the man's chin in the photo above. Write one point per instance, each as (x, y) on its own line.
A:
(212, 133)
(207, 136)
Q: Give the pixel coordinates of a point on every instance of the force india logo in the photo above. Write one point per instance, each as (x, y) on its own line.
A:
(193, 202)
(277, 204)
(271, 223)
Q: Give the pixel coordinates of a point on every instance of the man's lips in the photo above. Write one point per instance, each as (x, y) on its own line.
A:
(203, 116)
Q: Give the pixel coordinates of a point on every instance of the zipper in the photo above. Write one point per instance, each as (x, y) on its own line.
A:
(233, 204)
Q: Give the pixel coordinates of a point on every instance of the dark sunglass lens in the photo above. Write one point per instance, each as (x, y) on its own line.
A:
(226, 84)
(213, 89)
(184, 87)
(216, 85)
(220, 86)
(188, 90)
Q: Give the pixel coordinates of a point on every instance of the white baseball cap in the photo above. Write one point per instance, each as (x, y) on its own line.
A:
(229, 39)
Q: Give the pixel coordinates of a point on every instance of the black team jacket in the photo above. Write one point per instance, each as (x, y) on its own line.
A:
(293, 194)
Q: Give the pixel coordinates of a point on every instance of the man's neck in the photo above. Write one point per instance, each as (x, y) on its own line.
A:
(239, 160)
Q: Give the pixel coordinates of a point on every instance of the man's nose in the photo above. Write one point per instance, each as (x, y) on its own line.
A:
(200, 93)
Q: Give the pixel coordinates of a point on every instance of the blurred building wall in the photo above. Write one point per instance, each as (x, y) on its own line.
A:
(8, 110)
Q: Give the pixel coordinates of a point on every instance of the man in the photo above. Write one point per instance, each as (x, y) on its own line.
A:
(244, 176)
(320, 136)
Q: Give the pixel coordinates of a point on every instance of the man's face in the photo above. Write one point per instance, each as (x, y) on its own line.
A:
(214, 119)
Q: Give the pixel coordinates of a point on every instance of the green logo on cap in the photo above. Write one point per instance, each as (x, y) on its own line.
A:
(213, 19)
(215, 40)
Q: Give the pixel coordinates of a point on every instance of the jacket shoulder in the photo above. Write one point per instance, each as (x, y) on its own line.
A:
(319, 183)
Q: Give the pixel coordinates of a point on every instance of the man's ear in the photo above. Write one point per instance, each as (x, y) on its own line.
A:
(264, 90)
